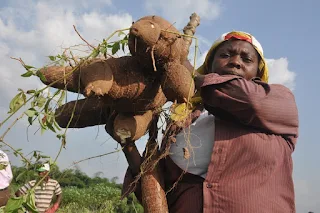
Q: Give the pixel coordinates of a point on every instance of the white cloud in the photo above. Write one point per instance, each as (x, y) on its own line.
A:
(49, 29)
(200, 57)
(46, 30)
(178, 11)
(279, 72)
(98, 26)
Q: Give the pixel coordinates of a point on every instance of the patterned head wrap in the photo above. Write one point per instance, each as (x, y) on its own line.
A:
(263, 74)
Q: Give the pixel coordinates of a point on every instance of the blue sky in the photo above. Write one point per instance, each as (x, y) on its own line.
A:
(286, 29)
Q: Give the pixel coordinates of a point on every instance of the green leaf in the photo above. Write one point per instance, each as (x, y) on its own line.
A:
(30, 202)
(17, 152)
(33, 103)
(121, 33)
(43, 127)
(27, 74)
(27, 67)
(14, 204)
(16, 102)
(103, 50)
(41, 76)
(56, 93)
(20, 175)
(13, 101)
(49, 125)
(24, 97)
(41, 101)
(95, 53)
(115, 47)
(52, 58)
(37, 94)
(56, 125)
(123, 46)
(31, 91)
(46, 107)
(31, 112)
(30, 120)
(62, 96)
(124, 41)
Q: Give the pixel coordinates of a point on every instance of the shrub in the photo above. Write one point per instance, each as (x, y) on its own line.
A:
(97, 198)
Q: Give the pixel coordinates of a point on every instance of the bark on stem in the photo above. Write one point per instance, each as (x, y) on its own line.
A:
(190, 29)
(152, 181)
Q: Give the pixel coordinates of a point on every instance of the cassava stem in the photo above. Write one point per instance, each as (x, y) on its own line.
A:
(152, 181)
(190, 29)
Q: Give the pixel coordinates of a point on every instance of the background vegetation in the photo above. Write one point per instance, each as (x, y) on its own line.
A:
(81, 193)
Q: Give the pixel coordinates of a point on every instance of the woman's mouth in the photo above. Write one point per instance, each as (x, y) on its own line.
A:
(230, 72)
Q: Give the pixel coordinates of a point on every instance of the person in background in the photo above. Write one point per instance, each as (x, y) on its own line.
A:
(5, 178)
(44, 192)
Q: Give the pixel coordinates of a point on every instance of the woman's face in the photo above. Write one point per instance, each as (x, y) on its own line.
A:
(236, 57)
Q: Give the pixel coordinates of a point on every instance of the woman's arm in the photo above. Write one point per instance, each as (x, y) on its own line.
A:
(271, 108)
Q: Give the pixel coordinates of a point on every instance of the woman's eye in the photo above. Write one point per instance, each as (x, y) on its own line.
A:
(224, 55)
(247, 59)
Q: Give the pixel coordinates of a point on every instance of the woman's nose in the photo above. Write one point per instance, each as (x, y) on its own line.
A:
(234, 62)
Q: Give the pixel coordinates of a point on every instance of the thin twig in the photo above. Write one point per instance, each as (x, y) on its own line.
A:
(6, 132)
(19, 59)
(83, 38)
(97, 156)
(13, 123)
(107, 39)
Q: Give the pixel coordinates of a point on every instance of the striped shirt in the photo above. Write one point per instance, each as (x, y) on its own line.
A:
(250, 170)
(43, 193)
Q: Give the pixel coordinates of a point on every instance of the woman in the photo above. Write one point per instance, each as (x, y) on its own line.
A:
(241, 161)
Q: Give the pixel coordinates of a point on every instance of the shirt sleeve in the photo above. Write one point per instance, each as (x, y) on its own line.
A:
(24, 189)
(58, 189)
(269, 107)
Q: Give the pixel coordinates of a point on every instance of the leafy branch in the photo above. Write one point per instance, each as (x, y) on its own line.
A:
(41, 105)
